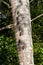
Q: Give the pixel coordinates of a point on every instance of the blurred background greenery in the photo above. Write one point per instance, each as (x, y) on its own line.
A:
(8, 50)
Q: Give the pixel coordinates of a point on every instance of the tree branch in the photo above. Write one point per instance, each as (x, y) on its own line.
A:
(11, 25)
(8, 26)
(31, 1)
(37, 17)
(6, 4)
(9, 5)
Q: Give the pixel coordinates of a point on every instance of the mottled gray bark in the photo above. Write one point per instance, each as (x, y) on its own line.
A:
(22, 29)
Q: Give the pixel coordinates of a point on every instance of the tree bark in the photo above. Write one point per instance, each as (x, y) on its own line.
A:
(22, 30)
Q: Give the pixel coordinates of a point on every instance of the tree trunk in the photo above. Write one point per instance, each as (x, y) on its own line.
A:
(22, 29)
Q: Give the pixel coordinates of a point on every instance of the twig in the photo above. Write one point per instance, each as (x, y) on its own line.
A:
(8, 26)
(6, 4)
(37, 17)
(31, 1)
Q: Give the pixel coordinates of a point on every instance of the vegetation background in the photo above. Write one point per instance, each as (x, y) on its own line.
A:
(8, 50)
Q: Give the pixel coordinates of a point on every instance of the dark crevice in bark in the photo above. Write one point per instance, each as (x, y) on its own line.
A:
(21, 45)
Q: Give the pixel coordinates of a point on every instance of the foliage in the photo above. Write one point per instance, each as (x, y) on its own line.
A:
(36, 8)
(38, 53)
(8, 50)
(6, 15)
